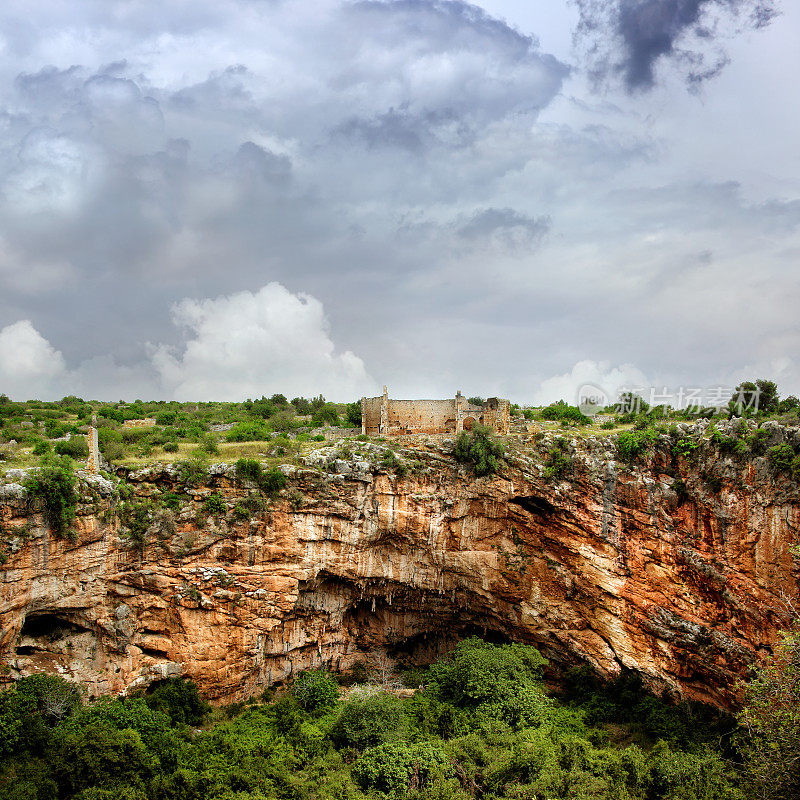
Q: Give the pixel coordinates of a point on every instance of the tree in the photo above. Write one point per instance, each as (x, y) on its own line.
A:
(369, 721)
(327, 414)
(749, 396)
(480, 449)
(771, 718)
(180, 700)
(632, 403)
(316, 690)
(354, 414)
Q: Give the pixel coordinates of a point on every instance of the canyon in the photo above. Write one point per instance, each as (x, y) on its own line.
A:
(681, 569)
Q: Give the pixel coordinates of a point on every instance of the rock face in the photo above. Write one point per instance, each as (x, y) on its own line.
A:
(672, 568)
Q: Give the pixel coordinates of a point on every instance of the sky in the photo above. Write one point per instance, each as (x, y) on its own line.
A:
(221, 199)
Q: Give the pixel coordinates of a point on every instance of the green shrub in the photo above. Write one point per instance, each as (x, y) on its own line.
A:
(685, 448)
(248, 469)
(214, 504)
(170, 447)
(565, 413)
(479, 449)
(558, 462)
(354, 414)
(42, 447)
(100, 755)
(75, 448)
(328, 414)
(53, 483)
(392, 769)
(135, 515)
(208, 444)
(480, 672)
(180, 700)
(248, 432)
(390, 461)
(369, 721)
(781, 457)
(272, 481)
(194, 470)
(757, 441)
(629, 446)
(316, 690)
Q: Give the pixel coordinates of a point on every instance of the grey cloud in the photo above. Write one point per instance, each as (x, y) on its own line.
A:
(628, 38)
(506, 224)
(392, 160)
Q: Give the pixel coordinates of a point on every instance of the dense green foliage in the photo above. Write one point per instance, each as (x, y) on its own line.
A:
(53, 484)
(565, 414)
(316, 690)
(483, 727)
(558, 464)
(771, 718)
(480, 449)
(753, 396)
(631, 444)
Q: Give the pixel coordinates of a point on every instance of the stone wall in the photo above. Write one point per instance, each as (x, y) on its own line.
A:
(381, 416)
(421, 416)
(371, 415)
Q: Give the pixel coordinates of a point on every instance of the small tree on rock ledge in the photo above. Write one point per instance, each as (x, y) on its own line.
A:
(480, 449)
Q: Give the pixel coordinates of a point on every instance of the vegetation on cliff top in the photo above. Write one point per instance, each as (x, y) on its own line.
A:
(275, 427)
(482, 726)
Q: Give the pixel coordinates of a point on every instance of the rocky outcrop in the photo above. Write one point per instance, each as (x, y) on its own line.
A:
(673, 568)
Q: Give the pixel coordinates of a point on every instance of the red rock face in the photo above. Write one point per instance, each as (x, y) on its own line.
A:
(614, 567)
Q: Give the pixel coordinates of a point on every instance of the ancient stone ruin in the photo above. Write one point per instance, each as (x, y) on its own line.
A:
(381, 416)
(93, 461)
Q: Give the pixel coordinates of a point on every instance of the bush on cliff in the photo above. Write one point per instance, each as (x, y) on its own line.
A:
(558, 462)
(479, 449)
(247, 469)
(53, 484)
(781, 457)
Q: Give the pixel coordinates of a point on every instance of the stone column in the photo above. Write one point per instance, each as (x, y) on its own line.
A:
(384, 424)
(93, 462)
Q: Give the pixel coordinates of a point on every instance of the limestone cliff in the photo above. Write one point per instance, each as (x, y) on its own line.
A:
(672, 568)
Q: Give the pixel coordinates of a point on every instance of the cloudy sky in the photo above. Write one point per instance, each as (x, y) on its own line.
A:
(219, 199)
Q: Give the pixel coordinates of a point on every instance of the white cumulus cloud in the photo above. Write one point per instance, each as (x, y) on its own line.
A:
(248, 344)
(586, 376)
(28, 362)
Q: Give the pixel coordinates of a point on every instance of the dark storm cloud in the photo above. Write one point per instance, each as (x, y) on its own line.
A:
(628, 38)
(412, 165)
(122, 190)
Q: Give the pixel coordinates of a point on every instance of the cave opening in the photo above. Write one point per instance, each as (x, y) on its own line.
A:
(534, 505)
(41, 629)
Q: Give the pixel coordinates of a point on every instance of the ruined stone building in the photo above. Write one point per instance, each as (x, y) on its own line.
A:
(381, 416)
